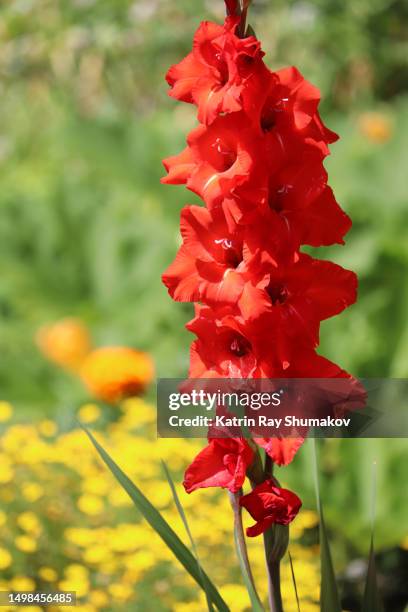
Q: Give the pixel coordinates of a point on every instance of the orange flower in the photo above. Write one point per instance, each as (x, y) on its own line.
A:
(375, 127)
(65, 342)
(113, 373)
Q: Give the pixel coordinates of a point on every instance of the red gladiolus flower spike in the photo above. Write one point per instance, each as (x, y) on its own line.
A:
(269, 504)
(256, 160)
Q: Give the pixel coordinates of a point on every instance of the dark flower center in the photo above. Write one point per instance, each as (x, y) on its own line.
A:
(268, 119)
(240, 346)
(270, 113)
(231, 254)
(278, 293)
(277, 197)
(223, 70)
(224, 157)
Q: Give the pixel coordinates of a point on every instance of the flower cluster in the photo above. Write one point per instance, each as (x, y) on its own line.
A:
(110, 373)
(256, 160)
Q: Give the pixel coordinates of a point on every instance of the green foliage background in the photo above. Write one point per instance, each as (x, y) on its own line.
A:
(86, 228)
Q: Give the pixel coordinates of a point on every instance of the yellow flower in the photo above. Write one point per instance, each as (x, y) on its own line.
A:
(113, 373)
(376, 127)
(47, 428)
(26, 544)
(79, 585)
(120, 591)
(6, 470)
(99, 598)
(118, 497)
(3, 518)
(29, 522)
(98, 485)
(48, 574)
(80, 536)
(22, 583)
(144, 560)
(5, 559)
(90, 504)
(308, 519)
(236, 596)
(6, 411)
(65, 342)
(97, 554)
(136, 412)
(76, 570)
(191, 606)
(32, 491)
(89, 413)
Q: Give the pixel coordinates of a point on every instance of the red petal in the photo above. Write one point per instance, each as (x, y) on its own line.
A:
(324, 222)
(182, 78)
(281, 450)
(179, 167)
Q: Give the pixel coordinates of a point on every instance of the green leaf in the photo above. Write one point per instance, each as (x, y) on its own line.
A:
(160, 525)
(190, 535)
(329, 596)
(294, 580)
(250, 31)
(371, 599)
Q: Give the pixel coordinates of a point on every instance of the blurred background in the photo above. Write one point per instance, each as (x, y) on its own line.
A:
(86, 230)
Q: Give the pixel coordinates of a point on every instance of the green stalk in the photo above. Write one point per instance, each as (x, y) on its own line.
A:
(243, 553)
(275, 544)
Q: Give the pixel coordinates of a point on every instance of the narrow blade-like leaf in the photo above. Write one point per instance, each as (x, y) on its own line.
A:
(292, 570)
(371, 599)
(190, 535)
(160, 525)
(329, 596)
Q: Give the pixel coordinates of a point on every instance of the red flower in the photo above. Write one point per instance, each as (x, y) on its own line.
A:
(281, 450)
(294, 296)
(300, 194)
(218, 256)
(222, 74)
(257, 162)
(269, 504)
(223, 347)
(208, 264)
(217, 159)
(289, 117)
(227, 346)
(290, 100)
(223, 463)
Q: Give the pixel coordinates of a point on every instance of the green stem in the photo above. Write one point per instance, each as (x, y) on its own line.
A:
(242, 23)
(273, 567)
(271, 557)
(243, 553)
(268, 466)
